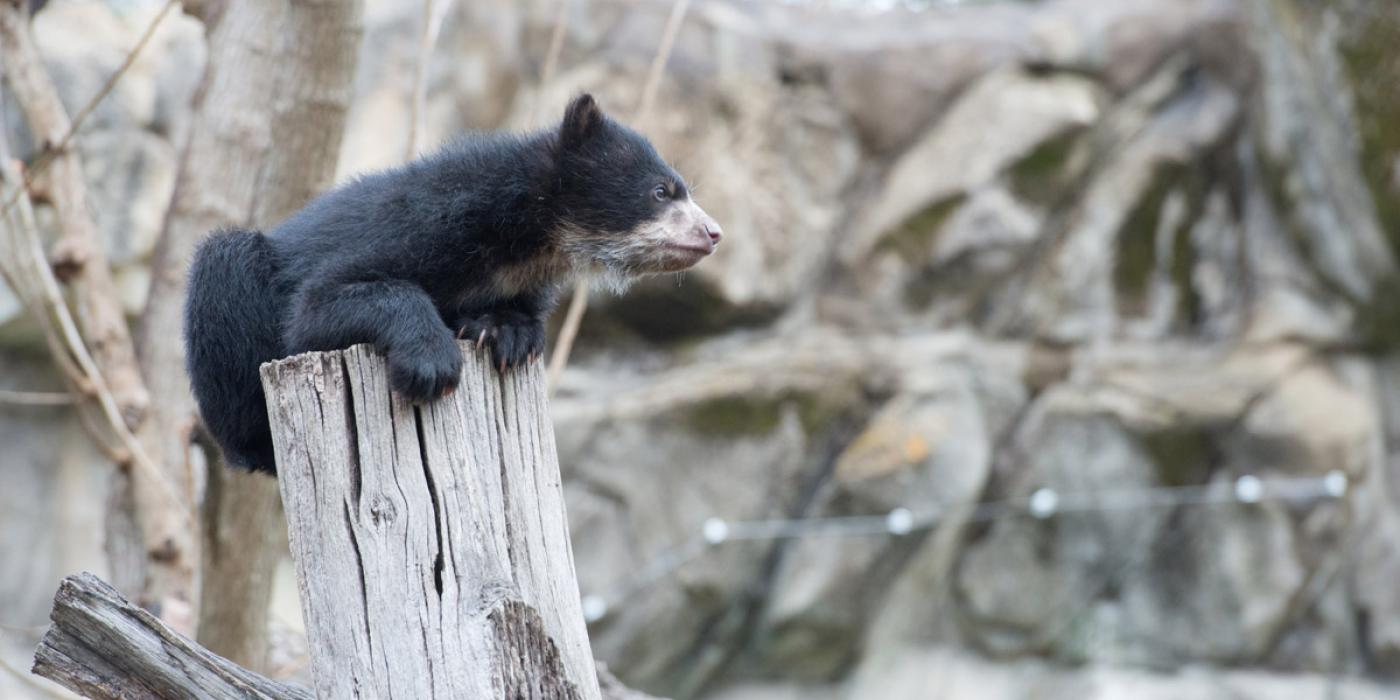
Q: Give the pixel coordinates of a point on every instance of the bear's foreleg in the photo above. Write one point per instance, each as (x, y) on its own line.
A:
(397, 317)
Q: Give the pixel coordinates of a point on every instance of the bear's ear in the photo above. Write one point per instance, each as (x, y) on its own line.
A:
(581, 120)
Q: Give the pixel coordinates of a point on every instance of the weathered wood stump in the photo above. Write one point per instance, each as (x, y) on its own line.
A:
(102, 646)
(431, 545)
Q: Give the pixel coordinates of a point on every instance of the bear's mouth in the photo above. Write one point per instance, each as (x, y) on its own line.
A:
(680, 256)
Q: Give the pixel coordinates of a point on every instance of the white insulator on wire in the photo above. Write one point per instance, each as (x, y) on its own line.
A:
(715, 530)
(1335, 483)
(594, 608)
(1044, 502)
(900, 521)
(1249, 489)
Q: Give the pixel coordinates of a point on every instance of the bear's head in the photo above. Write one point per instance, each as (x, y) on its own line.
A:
(622, 211)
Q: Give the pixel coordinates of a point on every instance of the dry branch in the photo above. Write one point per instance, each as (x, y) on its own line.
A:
(434, 13)
(160, 491)
(36, 398)
(78, 250)
(62, 144)
(101, 646)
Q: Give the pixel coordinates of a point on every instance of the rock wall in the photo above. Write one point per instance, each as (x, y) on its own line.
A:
(1096, 247)
(971, 253)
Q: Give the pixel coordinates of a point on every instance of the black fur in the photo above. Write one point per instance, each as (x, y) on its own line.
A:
(411, 259)
(233, 323)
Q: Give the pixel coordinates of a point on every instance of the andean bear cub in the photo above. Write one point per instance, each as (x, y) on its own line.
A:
(473, 241)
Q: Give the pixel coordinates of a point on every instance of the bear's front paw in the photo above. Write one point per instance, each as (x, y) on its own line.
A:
(513, 337)
(426, 370)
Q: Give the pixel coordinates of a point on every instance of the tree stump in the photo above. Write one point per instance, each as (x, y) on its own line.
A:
(431, 544)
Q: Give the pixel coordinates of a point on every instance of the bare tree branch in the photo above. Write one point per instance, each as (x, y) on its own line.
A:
(29, 253)
(551, 57)
(434, 12)
(78, 242)
(21, 283)
(36, 398)
(663, 54)
(37, 168)
(161, 492)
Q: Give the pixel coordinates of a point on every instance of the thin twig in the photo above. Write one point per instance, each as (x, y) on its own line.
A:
(556, 42)
(22, 291)
(36, 398)
(564, 344)
(551, 57)
(573, 319)
(78, 383)
(53, 298)
(92, 425)
(434, 13)
(663, 54)
(42, 162)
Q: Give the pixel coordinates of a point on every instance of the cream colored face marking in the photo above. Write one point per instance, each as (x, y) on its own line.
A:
(674, 240)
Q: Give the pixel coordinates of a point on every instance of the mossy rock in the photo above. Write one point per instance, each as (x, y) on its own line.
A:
(810, 649)
(662, 311)
(1184, 454)
(960, 275)
(1369, 53)
(1377, 320)
(914, 239)
(758, 415)
(1275, 175)
(1136, 254)
(1046, 173)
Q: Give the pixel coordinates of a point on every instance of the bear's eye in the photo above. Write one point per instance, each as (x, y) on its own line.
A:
(660, 193)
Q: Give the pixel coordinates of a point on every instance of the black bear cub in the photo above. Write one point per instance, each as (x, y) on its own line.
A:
(471, 242)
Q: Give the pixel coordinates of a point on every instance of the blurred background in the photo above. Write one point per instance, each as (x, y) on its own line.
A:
(1053, 350)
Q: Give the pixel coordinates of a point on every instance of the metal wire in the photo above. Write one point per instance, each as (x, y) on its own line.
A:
(1042, 504)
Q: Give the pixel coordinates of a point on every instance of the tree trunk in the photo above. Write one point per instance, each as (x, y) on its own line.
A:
(243, 542)
(266, 135)
(431, 543)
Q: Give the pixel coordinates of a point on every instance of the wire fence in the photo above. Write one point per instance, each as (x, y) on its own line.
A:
(1041, 504)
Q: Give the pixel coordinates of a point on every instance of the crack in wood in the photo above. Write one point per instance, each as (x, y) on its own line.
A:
(432, 499)
(353, 433)
(360, 569)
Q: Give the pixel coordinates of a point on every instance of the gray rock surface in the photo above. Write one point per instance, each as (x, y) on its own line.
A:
(971, 253)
